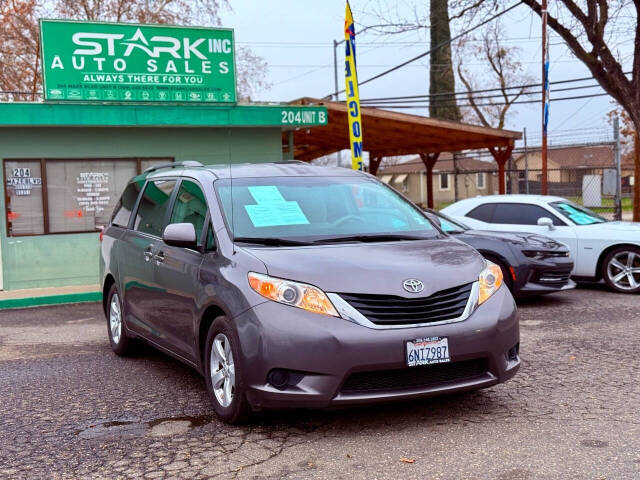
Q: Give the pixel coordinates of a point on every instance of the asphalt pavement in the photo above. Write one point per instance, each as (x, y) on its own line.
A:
(70, 408)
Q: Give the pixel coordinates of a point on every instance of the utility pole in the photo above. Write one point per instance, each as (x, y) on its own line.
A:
(526, 161)
(636, 177)
(545, 106)
(618, 199)
(335, 70)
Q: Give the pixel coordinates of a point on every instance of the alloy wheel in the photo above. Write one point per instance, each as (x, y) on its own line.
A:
(624, 270)
(115, 319)
(222, 368)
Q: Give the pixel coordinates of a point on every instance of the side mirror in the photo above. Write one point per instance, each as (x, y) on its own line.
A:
(546, 222)
(180, 235)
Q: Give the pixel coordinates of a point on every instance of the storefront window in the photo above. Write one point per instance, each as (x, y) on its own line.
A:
(82, 193)
(23, 180)
(71, 195)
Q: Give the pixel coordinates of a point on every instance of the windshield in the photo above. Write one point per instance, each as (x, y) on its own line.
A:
(313, 209)
(577, 214)
(448, 224)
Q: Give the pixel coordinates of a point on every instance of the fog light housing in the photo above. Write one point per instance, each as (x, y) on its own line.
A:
(282, 378)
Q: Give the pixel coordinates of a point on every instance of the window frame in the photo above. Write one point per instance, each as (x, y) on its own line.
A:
(495, 205)
(440, 182)
(45, 198)
(167, 213)
(207, 218)
(208, 225)
(483, 176)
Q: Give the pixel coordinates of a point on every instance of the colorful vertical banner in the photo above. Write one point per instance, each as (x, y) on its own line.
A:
(351, 88)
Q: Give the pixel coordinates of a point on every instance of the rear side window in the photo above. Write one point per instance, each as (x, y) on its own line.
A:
(124, 207)
(153, 207)
(190, 207)
(521, 214)
(484, 213)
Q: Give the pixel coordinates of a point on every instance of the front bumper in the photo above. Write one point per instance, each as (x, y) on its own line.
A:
(547, 276)
(324, 351)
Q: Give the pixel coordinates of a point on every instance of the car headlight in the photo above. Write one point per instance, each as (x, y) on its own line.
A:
(544, 254)
(295, 294)
(490, 280)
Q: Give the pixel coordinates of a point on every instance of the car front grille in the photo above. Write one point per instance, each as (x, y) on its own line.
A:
(414, 377)
(391, 310)
(555, 277)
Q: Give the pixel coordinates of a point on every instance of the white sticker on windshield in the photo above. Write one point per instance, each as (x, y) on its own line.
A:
(266, 194)
(276, 214)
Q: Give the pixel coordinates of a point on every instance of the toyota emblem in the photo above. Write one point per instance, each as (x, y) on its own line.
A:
(413, 285)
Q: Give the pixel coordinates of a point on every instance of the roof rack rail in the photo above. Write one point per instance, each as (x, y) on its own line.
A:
(186, 163)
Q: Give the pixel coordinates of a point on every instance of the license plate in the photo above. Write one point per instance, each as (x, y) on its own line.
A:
(425, 351)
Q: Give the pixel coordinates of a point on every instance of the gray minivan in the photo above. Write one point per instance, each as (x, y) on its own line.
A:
(291, 285)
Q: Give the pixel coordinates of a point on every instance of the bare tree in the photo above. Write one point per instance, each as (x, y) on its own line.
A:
(592, 30)
(19, 69)
(501, 69)
(586, 28)
(19, 42)
(441, 74)
(627, 128)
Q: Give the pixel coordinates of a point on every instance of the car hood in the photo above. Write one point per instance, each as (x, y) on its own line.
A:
(520, 239)
(633, 227)
(376, 268)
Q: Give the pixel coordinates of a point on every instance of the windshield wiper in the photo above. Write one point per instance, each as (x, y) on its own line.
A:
(370, 238)
(271, 241)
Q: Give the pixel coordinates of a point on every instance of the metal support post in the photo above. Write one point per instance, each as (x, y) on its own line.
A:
(618, 197)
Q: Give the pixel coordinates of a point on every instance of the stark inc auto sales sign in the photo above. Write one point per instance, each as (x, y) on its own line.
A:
(90, 61)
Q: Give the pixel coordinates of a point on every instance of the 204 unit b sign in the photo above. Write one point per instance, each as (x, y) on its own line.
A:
(139, 63)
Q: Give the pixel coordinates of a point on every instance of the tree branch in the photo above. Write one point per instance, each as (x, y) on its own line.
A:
(472, 100)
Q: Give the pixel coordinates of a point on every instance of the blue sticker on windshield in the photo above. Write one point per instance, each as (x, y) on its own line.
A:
(577, 216)
(266, 194)
(276, 214)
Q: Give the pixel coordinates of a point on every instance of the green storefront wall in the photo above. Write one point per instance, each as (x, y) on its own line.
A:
(209, 135)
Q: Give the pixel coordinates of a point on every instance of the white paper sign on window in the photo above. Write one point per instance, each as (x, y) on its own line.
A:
(93, 191)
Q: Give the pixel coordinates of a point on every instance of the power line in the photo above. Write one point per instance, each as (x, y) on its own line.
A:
(491, 104)
(428, 52)
(498, 95)
(486, 90)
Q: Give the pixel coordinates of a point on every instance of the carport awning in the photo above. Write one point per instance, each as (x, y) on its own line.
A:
(387, 133)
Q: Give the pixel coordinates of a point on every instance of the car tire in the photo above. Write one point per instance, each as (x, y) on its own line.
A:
(224, 374)
(120, 342)
(621, 269)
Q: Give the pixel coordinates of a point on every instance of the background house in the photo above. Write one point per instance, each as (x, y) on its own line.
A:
(475, 177)
(567, 166)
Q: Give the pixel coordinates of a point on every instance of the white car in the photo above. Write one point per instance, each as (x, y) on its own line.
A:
(601, 249)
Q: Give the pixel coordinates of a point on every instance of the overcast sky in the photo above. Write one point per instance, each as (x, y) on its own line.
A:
(295, 37)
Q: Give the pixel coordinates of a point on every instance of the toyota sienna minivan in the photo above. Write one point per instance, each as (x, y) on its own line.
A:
(290, 285)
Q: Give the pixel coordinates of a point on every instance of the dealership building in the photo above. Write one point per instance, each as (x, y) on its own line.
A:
(65, 165)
